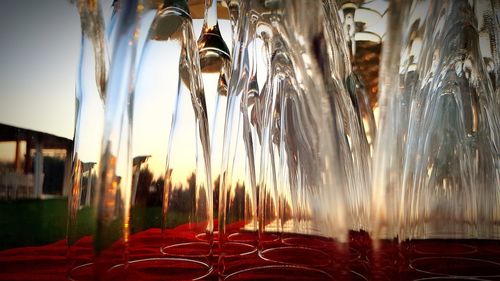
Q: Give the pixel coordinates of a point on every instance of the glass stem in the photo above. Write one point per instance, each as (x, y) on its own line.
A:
(210, 14)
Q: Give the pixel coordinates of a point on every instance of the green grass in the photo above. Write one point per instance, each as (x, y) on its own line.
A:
(142, 218)
(40, 222)
(32, 222)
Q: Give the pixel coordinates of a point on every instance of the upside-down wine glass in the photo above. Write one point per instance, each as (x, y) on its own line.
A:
(172, 194)
(295, 183)
(436, 174)
(90, 101)
(238, 222)
(215, 64)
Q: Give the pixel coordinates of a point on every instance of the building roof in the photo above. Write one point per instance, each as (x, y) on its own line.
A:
(50, 141)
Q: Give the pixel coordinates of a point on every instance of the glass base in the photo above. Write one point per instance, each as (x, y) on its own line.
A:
(252, 237)
(279, 272)
(450, 279)
(301, 256)
(355, 276)
(243, 237)
(456, 267)
(188, 250)
(160, 269)
(84, 272)
(438, 248)
(205, 237)
(234, 249)
(304, 241)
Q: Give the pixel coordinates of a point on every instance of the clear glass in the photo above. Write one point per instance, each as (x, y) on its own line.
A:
(388, 148)
(171, 203)
(114, 174)
(215, 64)
(489, 37)
(364, 26)
(238, 192)
(344, 85)
(437, 148)
(90, 99)
(295, 185)
(233, 8)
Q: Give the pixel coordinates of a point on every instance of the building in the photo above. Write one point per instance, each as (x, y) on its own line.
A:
(33, 164)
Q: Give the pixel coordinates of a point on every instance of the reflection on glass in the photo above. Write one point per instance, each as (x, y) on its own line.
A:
(90, 98)
(114, 176)
(274, 131)
(215, 65)
(345, 87)
(438, 148)
(238, 191)
(487, 14)
(301, 187)
(171, 149)
(364, 25)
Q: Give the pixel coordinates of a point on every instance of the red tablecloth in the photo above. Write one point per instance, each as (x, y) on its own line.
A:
(315, 257)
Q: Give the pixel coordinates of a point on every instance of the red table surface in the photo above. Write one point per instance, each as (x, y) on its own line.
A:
(442, 259)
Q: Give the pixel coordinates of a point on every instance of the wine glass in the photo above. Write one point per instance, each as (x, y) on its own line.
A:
(90, 99)
(353, 108)
(172, 191)
(114, 174)
(290, 189)
(215, 64)
(103, 218)
(436, 175)
(238, 222)
(446, 109)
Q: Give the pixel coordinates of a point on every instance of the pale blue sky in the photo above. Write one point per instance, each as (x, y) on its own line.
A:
(39, 48)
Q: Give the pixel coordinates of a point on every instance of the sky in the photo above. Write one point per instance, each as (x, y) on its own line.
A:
(39, 49)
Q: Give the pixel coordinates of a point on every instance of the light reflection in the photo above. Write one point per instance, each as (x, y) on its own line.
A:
(150, 139)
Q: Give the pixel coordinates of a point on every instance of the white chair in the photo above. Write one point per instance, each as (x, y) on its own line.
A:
(4, 190)
(11, 184)
(26, 185)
